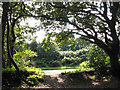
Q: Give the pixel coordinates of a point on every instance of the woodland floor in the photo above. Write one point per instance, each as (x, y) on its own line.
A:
(71, 80)
(76, 81)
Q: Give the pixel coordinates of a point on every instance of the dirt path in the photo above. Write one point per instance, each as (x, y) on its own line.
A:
(79, 80)
(54, 72)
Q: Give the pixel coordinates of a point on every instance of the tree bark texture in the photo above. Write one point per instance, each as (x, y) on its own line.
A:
(4, 23)
(4, 20)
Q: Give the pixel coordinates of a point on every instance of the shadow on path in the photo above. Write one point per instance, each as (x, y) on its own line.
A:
(79, 80)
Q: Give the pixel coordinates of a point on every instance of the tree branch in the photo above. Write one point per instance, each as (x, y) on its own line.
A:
(105, 13)
(8, 49)
(114, 10)
(12, 28)
(56, 6)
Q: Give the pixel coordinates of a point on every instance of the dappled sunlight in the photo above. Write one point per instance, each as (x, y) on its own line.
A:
(54, 72)
(95, 83)
(81, 38)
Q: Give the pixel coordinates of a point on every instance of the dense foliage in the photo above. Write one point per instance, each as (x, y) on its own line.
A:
(54, 55)
(96, 22)
(29, 75)
(99, 60)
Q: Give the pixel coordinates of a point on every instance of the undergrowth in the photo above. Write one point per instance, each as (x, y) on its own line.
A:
(82, 67)
(29, 75)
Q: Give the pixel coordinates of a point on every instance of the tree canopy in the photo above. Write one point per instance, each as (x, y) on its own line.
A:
(96, 22)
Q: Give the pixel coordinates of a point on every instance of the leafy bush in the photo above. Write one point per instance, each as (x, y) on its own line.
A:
(41, 64)
(22, 57)
(55, 64)
(49, 53)
(30, 75)
(37, 71)
(73, 58)
(33, 80)
(85, 66)
(99, 60)
(8, 69)
(82, 67)
(47, 50)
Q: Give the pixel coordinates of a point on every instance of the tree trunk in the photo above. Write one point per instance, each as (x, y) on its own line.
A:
(115, 66)
(8, 49)
(4, 20)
